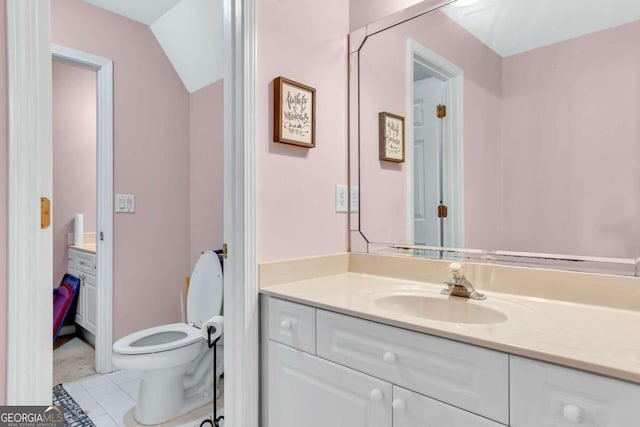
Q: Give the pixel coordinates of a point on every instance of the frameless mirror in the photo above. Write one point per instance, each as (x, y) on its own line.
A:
(522, 124)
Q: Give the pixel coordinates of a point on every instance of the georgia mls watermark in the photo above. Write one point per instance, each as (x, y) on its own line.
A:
(31, 416)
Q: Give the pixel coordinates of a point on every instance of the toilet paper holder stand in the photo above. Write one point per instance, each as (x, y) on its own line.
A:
(215, 422)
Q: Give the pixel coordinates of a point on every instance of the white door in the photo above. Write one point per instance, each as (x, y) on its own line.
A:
(305, 390)
(414, 410)
(427, 168)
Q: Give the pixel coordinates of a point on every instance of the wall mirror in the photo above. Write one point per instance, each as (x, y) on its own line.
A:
(522, 132)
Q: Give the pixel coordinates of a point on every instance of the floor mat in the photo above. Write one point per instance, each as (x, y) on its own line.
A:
(74, 416)
(72, 361)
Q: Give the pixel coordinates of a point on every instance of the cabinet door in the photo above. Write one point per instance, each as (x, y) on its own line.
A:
(304, 390)
(80, 297)
(552, 396)
(90, 303)
(414, 410)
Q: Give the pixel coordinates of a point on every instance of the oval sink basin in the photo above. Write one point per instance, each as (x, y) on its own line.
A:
(453, 309)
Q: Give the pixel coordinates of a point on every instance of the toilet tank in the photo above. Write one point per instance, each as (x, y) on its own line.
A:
(204, 298)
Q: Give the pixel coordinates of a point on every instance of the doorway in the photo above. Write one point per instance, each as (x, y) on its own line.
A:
(435, 181)
(95, 298)
(74, 219)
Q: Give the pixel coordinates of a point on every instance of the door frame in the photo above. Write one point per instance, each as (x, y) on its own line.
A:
(29, 359)
(104, 195)
(453, 78)
(29, 247)
(242, 351)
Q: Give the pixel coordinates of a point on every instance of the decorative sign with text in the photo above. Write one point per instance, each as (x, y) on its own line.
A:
(391, 136)
(294, 113)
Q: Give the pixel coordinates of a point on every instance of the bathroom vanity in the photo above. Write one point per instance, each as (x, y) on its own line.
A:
(81, 262)
(347, 350)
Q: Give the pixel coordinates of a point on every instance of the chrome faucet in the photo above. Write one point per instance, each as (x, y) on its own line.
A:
(459, 286)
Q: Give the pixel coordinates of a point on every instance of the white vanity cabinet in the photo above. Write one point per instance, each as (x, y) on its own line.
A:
(306, 384)
(415, 410)
(469, 377)
(83, 265)
(552, 396)
(305, 390)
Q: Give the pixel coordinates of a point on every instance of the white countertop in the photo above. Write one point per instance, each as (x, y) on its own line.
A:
(596, 339)
(87, 247)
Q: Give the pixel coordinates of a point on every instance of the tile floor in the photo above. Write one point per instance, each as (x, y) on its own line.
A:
(109, 400)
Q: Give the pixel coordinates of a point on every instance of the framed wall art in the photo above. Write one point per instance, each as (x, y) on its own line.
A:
(294, 113)
(391, 136)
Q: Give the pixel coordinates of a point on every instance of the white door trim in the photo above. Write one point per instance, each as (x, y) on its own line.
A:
(104, 224)
(29, 308)
(241, 268)
(453, 76)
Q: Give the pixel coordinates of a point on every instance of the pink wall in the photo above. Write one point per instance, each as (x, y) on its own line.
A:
(207, 168)
(383, 87)
(151, 156)
(571, 154)
(3, 198)
(74, 156)
(306, 41)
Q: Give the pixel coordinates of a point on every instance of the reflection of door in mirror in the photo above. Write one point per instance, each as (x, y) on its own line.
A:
(427, 160)
(435, 184)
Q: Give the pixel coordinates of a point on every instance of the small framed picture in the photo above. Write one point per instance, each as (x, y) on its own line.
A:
(391, 137)
(294, 113)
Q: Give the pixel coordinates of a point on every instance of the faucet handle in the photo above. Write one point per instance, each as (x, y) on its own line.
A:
(456, 270)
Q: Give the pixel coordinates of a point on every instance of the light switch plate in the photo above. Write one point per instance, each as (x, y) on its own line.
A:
(354, 198)
(342, 198)
(125, 203)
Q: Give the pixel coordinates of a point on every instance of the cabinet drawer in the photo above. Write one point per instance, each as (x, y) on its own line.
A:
(552, 396)
(86, 262)
(292, 324)
(71, 259)
(411, 409)
(462, 375)
(306, 391)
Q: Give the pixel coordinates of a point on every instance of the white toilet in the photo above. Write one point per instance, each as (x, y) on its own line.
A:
(174, 361)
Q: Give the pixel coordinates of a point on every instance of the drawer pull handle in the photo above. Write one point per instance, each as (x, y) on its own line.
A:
(285, 324)
(376, 394)
(573, 413)
(390, 357)
(398, 405)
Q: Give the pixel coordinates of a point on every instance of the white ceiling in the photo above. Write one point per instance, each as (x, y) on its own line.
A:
(144, 11)
(190, 32)
(514, 26)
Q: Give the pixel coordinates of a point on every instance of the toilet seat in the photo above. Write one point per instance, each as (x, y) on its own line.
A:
(158, 339)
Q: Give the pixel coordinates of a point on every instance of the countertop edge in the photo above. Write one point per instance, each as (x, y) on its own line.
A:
(531, 353)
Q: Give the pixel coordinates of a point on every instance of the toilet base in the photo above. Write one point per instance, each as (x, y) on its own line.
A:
(170, 392)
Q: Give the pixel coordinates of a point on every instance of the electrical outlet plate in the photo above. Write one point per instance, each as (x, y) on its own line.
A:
(354, 199)
(342, 198)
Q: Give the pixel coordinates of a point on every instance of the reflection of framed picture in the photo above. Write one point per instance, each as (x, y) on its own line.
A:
(391, 137)
(294, 113)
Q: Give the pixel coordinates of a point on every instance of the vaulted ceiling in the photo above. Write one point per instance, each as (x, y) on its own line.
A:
(190, 32)
(514, 26)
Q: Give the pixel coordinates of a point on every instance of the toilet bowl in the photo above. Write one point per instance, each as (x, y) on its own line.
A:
(174, 361)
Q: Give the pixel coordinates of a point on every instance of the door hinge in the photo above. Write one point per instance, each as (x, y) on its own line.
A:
(442, 211)
(101, 236)
(441, 111)
(225, 251)
(45, 212)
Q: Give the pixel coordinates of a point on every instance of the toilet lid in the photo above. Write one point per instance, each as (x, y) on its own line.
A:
(204, 299)
(157, 339)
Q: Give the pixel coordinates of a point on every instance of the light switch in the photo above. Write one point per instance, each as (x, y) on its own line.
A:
(354, 198)
(342, 199)
(125, 203)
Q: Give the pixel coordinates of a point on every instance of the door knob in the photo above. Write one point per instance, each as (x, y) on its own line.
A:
(573, 413)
